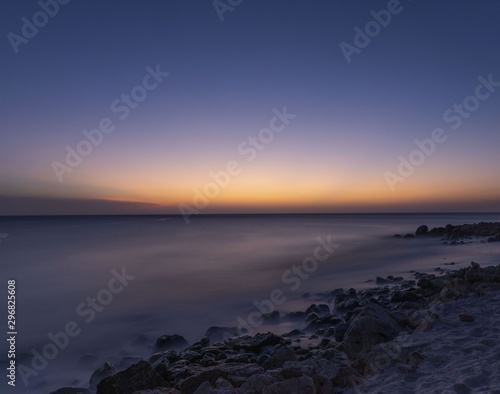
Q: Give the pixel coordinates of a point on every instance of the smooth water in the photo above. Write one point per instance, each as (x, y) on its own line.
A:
(189, 277)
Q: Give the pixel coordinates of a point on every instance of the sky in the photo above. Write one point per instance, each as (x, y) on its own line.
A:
(249, 106)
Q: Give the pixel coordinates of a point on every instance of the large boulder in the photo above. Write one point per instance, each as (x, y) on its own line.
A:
(140, 376)
(372, 325)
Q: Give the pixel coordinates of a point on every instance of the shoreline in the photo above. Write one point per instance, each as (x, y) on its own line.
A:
(377, 338)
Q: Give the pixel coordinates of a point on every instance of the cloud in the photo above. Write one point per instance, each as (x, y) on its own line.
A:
(10, 205)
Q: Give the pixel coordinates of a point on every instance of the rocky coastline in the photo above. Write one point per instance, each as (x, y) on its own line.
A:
(351, 338)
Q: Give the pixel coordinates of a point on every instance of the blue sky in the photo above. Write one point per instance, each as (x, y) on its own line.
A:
(353, 120)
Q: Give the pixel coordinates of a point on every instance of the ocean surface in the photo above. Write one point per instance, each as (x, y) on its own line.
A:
(116, 283)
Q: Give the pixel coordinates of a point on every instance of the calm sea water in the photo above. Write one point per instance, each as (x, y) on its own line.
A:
(184, 278)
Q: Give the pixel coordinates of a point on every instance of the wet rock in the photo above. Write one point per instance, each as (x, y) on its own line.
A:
(236, 374)
(100, 373)
(257, 342)
(256, 383)
(303, 385)
(127, 362)
(173, 342)
(140, 376)
(340, 331)
(320, 310)
(406, 295)
(279, 356)
(371, 326)
(219, 334)
(422, 230)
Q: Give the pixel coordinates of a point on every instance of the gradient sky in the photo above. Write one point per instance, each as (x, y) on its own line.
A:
(225, 78)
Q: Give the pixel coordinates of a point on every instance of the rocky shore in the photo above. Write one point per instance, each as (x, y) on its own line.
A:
(352, 341)
(483, 232)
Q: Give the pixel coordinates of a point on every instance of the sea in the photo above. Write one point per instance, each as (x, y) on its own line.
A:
(95, 289)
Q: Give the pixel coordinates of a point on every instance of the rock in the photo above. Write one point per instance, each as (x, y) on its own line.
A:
(405, 295)
(302, 385)
(279, 356)
(174, 342)
(340, 331)
(373, 325)
(161, 390)
(294, 333)
(256, 383)
(127, 362)
(257, 342)
(466, 318)
(232, 372)
(100, 373)
(474, 265)
(320, 310)
(171, 355)
(71, 390)
(407, 236)
(422, 230)
(219, 334)
(140, 376)
(414, 359)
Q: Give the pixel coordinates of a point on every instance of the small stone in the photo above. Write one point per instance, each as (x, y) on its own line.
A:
(466, 318)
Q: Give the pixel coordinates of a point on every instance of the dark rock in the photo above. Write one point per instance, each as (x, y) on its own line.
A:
(340, 331)
(127, 362)
(373, 325)
(279, 356)
(100, 373)
(257, 342)
(234, 373)
(140, 376)
(71, 390)
(466, 318)
(320, 310)
(294, 333)
(173, 342)
(405, 295)
(422, 230)
(409, 236)
(171, 355)
(219, 334)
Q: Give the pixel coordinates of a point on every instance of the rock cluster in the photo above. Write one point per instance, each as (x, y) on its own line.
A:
(463, 231)
(342, 341)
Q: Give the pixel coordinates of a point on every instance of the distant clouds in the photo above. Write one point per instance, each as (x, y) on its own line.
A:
(67, 206)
